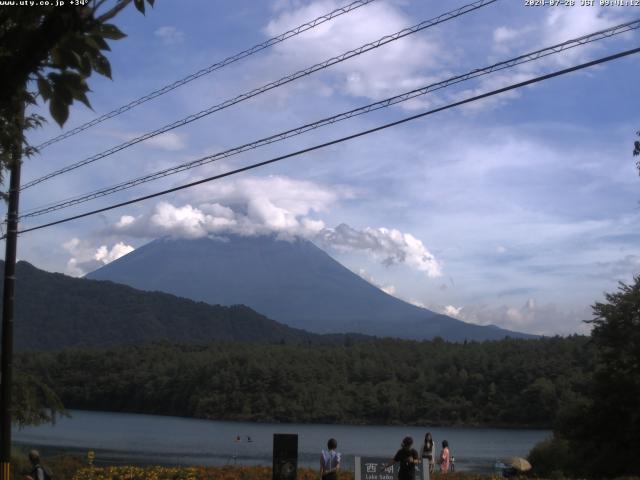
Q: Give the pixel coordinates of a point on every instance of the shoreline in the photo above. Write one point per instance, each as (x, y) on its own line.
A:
(476, 426)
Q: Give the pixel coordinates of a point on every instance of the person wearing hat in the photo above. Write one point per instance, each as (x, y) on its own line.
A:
(408, 458)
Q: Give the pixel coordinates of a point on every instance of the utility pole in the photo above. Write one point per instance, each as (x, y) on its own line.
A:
(6, 361)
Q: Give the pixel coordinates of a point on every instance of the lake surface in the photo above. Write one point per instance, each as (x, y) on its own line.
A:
(133, 438)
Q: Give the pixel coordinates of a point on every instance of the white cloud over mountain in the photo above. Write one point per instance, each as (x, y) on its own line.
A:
(390, 246)
(249, 206)
(282, 206)
(85, 257)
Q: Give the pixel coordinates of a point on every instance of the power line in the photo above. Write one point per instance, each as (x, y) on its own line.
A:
(282, 81)
(342, 139)
(211, 68)
(528, 57)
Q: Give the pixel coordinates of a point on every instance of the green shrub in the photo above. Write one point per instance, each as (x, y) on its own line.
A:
(550, 458)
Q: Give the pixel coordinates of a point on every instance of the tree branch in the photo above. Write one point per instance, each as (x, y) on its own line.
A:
(114, 11)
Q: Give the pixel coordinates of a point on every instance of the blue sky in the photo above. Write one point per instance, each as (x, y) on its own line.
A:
(521, 210)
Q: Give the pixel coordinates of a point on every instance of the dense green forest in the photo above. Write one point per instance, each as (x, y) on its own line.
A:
(506, 383)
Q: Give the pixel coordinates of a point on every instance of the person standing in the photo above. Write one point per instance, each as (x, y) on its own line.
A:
(330, 461)
(37, 472)
(408, 459)
(444, 457)
(428, 451)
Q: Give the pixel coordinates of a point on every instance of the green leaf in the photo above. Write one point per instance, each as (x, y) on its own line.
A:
(29, 98)
(91, 43)
(56, 56)
(70, 78)
(54, 76)
(82, 97)
(34, 121)
(85, 65)
(101, 65)
(44, 88)
(65, 57)
(77, 60)
(62, 92)
(86, 45)
(111, 31)
(59, 110)
(139, 5)
(69, 86)
(102, 44)
(76, 86)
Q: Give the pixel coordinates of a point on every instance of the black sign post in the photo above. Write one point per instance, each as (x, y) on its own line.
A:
(285, 456)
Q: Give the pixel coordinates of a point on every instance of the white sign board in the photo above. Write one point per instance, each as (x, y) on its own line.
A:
(373, 468)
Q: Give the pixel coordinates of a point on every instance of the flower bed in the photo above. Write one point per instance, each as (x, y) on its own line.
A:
(190, 473)
(219, 473)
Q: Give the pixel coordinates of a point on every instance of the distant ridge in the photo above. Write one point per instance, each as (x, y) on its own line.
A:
(54, 311)
(293, 282)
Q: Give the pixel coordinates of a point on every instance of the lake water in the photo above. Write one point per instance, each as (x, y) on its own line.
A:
(133, 438)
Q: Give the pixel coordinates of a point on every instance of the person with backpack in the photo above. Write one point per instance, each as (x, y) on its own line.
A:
(38, 472)
(408, 458)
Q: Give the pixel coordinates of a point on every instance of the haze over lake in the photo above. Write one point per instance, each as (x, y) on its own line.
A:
(122, 437)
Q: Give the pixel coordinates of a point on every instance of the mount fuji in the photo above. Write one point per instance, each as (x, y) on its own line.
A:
(290, 281)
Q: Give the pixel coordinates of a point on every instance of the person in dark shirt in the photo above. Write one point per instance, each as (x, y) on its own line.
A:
(408, 458)
(428, 450)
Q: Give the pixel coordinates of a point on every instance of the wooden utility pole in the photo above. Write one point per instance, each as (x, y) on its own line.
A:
(11, 243)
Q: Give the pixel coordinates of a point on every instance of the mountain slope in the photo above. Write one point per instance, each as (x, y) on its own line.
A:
(55, 311)
(293, 282)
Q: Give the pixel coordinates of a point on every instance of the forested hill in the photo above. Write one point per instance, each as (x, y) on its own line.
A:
(54, 311)
(498, 383)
